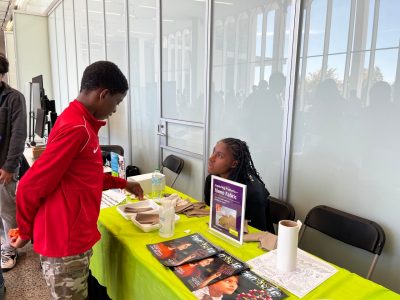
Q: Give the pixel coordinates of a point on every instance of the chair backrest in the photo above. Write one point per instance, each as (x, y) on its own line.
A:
(106, 149)
(174, 164)
(112, 148)
(280, 210)
(350, 229)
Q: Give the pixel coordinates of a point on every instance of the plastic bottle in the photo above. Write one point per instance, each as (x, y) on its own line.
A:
(156, 184)
(167, 219)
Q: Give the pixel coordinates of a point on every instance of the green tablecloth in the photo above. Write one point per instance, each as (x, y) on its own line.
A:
(122, 263)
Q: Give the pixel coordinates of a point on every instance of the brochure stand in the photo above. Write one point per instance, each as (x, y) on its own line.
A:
(228, 200)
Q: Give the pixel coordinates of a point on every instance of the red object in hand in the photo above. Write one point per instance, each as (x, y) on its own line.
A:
(13, 233)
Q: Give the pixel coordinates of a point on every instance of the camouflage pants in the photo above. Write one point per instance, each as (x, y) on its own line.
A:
(66, 277)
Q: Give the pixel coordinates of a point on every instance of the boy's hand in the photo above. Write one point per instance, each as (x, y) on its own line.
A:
(135, 188)
(13, 232)
(17, 242)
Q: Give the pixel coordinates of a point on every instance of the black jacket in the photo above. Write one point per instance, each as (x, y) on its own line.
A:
(257, 204)
(12, 127)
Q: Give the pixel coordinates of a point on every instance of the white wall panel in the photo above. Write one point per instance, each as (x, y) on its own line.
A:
(81, 37)
(32, 50)
(143, 84)
(117, 52)
(62, 58)
(54, 59)
(97, 46)
(70, 47)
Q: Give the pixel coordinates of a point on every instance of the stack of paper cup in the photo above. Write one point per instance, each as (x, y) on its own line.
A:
(288, 237)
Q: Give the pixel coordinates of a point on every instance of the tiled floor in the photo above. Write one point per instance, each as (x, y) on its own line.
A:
(25, 281)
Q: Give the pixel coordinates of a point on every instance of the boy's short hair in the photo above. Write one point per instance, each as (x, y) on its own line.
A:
(104, 74)
(3, 64)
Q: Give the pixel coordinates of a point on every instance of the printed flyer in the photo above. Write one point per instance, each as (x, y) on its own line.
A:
(182, 250)
(199, 274)
(117, 165)
(244, 286)
(228, 199)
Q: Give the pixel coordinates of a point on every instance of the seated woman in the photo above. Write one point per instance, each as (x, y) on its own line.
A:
(231, 159)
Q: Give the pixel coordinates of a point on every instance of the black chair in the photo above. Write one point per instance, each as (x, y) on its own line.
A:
(106, 149)
(350, 229)
(174, 164)
(280, 210)
(113, 148)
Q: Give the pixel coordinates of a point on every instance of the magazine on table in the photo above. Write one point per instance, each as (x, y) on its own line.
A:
(199, 274)
(183, 250)
(244, 286)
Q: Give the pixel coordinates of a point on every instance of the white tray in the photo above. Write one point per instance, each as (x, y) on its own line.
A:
(131, 216)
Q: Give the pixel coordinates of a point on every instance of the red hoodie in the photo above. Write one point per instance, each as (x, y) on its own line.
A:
(58, 199)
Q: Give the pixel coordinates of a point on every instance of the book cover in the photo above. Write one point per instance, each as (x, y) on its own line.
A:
(228, 200)
(244, 286)
(183, 250)
(199, 274)
(117, 165)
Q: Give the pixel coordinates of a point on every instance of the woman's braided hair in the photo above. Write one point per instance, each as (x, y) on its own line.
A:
(245, 167)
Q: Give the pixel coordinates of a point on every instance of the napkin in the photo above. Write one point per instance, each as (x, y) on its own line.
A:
(173, 198)
(267, 240)
(185, 206)
(182, 208)
(147, 218)
(128, 209)
(197, 212)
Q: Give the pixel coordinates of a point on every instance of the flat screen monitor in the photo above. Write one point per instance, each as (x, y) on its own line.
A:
(35, 96)
(39, 79)
(40, 123)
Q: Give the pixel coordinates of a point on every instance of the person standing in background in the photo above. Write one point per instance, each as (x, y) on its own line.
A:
(13, 133)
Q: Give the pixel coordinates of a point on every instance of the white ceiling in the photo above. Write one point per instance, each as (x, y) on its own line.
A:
(5, 7)
(33, 6)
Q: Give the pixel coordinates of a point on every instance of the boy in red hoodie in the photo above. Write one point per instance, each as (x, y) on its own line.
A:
(58, 199)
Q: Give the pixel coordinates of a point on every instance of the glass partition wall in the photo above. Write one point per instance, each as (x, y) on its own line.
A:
(248, 79)
(346, 119)
(181, 126)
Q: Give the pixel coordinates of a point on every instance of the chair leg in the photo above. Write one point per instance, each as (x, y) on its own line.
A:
(372, 268)
(172, 185)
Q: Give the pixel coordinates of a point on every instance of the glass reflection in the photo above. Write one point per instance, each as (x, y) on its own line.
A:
(143, 82)
(248, 79)
(183, 35)
(347, 106)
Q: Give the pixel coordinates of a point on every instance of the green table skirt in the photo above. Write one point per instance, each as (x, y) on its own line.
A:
(122, 263)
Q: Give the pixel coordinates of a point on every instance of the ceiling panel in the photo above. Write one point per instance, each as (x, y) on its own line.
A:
(32, 6)
(5, 7)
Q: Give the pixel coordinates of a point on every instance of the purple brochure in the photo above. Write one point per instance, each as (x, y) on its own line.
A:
(228, 199)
